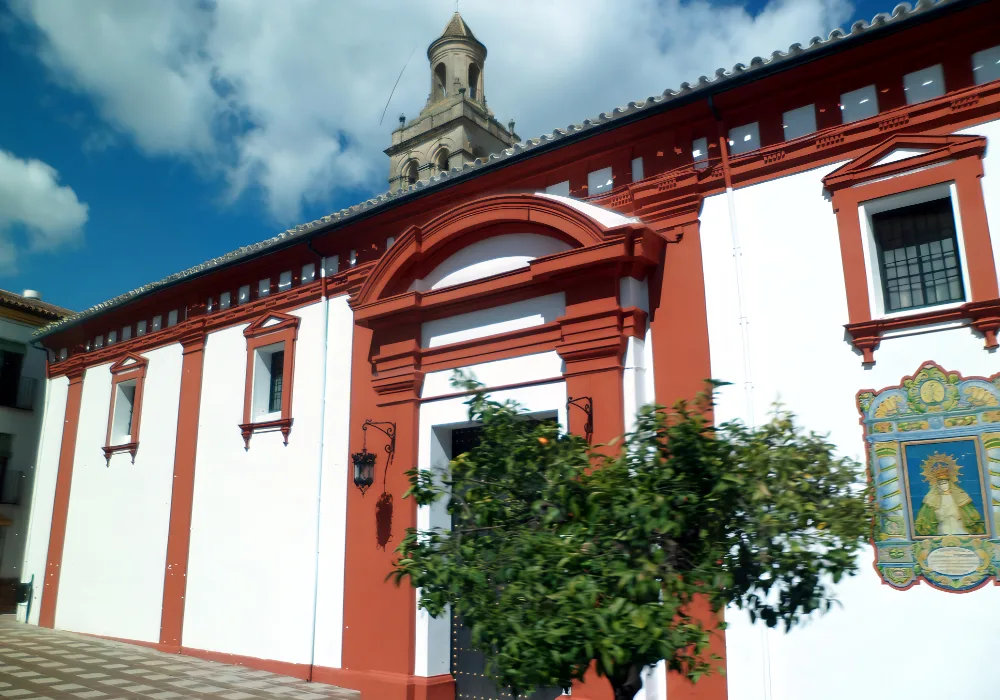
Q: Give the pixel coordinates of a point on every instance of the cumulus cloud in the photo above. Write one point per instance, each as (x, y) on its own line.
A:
(285, 98)
(36, 212)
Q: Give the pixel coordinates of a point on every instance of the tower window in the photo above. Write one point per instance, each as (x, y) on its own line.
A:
(410, 172)
(442, 159)
(440, 82)
(474, 74)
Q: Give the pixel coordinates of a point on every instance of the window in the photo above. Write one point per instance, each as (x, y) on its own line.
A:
(10, 480)
(157, 323)
(126, 333)
(389, 241)
(858, 104)
(172, 318)
(99, 342)
(225, 299)
(560, 189)
(986, 65)
(140, 328)
(637, 169)
(243, 295)
(474, 74)
(127, 378)
(263, 287)
(442, 159)
(352, 259)
(699, 152)
(799, 122)
(743, 139)
(308, 273)
(440, 82)
(112, 337)
(599, 181)
(923, 84)
(11, 362)
(267, 403)
(918, 255)
(285, 280)
(410, 173)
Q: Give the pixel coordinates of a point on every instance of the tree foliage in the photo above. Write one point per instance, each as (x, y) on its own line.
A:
(562, 554)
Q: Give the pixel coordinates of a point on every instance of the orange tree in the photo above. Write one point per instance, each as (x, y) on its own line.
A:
(562, 555)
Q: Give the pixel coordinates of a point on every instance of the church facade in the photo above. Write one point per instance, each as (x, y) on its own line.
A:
(821, 227)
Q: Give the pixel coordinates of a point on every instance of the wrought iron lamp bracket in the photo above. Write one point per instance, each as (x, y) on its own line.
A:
(585, 404)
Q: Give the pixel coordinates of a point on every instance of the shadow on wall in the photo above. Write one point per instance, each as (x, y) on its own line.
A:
(383, 520)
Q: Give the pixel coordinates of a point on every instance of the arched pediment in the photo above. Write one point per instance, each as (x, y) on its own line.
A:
(434, 251)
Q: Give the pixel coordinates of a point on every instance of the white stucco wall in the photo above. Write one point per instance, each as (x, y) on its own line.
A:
(44, 489)
(329, 634)
(794, 303)
(119, 514)
(252, 564)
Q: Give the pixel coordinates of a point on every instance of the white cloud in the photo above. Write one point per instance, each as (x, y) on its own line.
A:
(285, 98)
(36, 212)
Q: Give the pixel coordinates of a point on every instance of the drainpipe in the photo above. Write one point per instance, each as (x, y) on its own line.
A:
(744, 322)
(322, 446)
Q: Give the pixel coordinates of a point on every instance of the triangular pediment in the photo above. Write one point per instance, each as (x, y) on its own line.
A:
(129, 362)
(271, 322)
(902, 152)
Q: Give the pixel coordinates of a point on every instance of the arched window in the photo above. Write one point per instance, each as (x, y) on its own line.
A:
(410, 173)
(474, 73)
(440, 82)
(442, 159)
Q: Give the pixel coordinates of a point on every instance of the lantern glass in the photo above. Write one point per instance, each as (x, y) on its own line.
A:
(364, 469)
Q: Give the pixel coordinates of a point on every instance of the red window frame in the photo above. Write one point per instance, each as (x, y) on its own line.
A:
(270, 329)
(127, 368)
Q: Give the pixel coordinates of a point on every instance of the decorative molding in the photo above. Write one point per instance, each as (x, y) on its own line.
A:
(282, 424)
(127, 368)
(983, 316)
(271, 328)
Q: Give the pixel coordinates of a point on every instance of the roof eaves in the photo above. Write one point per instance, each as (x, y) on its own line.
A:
(759, 68)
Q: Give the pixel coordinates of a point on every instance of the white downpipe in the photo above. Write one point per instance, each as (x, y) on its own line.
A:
(319, 480)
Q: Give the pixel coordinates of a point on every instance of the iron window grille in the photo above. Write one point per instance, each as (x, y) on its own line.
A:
(918, 256)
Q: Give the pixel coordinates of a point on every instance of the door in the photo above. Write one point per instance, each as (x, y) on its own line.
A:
(468, 666)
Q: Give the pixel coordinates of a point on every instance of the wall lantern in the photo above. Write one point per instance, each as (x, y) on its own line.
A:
(364, 461)
(585, 404)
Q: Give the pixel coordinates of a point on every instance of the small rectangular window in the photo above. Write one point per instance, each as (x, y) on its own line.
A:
(157, 323)
(637, 173)
(918, 255)
(225, 299)
(560, 189)
(285, 280)
(699, 152)
(389, 241)
(308, 273)
(277, 373)
(11, 363)
(112, 337)
(264, 287)
(599, 181)
(172, 318)
(140, 328)
(63, 353)
(923, 85)
(244, 294)
(331, 265)
(743, 139)
(268, 381)
(353, 258)
(858, 104)
(799, 122)
(986, 65)
(121, 425)
(99, 342)
(126, 332)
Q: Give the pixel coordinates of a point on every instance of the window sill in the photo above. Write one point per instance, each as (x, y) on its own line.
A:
(130, 447)
(282, 424)
(983, 316)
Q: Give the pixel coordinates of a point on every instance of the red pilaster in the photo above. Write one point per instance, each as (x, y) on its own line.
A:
(60, 505)
(182, 493)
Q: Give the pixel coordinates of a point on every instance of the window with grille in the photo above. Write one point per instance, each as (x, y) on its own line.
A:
(918, 255)
(277, 375)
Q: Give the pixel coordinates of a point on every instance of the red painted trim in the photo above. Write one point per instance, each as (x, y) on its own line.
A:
(284, 329)
(377, 685)
(60, 505)
(283, 668)
(182, 492)
(126, 369)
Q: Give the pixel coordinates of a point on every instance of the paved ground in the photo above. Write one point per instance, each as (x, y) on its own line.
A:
(39, 663)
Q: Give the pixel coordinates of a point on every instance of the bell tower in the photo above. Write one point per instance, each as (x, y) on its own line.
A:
(455, 126)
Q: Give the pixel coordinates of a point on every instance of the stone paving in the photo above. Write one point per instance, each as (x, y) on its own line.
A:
(38, 663)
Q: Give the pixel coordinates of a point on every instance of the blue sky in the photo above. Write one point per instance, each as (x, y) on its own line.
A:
(140, 138)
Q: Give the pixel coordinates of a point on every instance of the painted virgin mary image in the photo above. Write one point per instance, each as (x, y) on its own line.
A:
(947, 508)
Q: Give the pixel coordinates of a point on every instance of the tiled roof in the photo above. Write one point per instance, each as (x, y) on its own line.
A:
(458, 27)
(758, 67)
(33, 306)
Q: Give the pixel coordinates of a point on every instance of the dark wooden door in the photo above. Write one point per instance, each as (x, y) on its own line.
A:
(468, 666)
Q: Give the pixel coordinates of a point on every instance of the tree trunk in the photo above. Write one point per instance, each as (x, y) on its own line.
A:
(626, 686)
